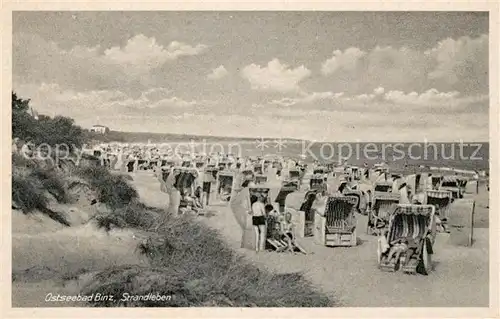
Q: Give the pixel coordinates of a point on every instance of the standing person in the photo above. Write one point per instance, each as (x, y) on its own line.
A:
(369, 200)
(279, 168)
(259, 223)
(403, 192)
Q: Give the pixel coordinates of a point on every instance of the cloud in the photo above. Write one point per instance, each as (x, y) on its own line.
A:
(451, 65)
(342, 60)
(53, 99)
(365, 97)
(257, 105)
(155, 94)
(428, 103)
(307, 98)
(275, 76)
(432, 102)
(36, 60)
(158, 107)
(443, 89)
(379, 90)
(143, 54)
(431, 96)
(218, 73)
(462, 63)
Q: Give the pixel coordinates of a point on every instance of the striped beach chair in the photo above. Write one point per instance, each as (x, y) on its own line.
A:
(451, 183)
(442, 200)
(316, 182)
(337, 225)
(382, 208)
(415, 227)
(226, 183)
(383, 187)
(260, 179)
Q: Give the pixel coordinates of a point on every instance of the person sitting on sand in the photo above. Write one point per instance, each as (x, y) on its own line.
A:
(197, 198)
(287, 231)
(226, 192)
(273, 222)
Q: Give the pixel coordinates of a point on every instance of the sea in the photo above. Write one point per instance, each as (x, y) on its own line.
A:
(462, 155)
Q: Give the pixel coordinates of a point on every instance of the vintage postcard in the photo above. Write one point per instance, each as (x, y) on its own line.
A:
(330, 158)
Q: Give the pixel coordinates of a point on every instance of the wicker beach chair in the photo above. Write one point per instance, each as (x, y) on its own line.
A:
(226, 181)
(413, 228)
(335, 223)
(382, 207)
(260, 179)
(382, 187)
(442, 200)
(451, 183)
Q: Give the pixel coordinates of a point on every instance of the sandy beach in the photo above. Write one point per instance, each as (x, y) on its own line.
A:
(351, 274)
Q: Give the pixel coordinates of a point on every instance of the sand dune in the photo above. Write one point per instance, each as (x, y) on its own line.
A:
(49, 258)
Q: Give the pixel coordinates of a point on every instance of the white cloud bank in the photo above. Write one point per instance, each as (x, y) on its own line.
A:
(218, 73)
(342, 60)
(276, 76)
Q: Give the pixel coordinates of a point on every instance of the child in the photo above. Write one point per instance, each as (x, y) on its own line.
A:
(287, 231)
(197, 198)
(270, 211)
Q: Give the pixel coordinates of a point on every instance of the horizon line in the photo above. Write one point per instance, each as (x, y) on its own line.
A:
(287, 138)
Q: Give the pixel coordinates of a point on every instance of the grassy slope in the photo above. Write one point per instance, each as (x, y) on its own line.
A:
(189, 261)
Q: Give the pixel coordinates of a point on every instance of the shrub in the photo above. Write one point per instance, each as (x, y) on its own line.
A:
(112, 190)
(29, 193)
(52, 182)
(133, 215)
(44, 129)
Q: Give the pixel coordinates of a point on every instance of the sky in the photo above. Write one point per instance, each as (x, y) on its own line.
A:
(323, 76)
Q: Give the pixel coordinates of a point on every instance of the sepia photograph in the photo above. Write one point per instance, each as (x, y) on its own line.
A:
(262, 159)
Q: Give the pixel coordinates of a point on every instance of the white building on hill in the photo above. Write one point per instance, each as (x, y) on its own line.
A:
(99, 129)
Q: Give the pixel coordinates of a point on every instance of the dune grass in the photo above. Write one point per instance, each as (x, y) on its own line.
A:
(112, 190)
(191, 263)
(33, 186)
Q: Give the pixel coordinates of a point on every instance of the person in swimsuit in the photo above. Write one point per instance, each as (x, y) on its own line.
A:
(399, 247)
(259, 223)
(287, 231)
